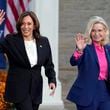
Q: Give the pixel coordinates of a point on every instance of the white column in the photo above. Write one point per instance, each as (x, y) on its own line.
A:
(47, 12)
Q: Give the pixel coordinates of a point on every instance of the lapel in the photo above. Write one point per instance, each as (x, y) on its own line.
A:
(93, 51)
(39, 50)
(21, 48)
(107, 52)
(107, 49)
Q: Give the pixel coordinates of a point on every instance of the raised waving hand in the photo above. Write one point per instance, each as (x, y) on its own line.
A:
(2, 14)
(80, 41)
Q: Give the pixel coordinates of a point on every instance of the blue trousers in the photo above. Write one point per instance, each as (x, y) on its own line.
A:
(101, 99)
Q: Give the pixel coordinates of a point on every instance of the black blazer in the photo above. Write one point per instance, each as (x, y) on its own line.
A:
(22, 79)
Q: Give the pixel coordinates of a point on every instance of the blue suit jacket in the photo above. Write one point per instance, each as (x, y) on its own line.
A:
(84, 88)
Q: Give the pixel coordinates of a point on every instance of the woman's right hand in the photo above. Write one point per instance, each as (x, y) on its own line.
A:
(2, 14)
(80, 41)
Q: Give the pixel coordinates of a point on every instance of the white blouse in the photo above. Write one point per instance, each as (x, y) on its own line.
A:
(31, 49)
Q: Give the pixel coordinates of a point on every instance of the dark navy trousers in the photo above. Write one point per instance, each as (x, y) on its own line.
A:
(27, 104)
(101, 100)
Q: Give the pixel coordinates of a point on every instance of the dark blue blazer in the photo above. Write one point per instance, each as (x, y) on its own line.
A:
(23, 79)
(84, 87)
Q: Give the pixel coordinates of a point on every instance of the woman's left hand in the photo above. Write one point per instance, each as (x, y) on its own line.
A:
(52, 87)
(2, 14)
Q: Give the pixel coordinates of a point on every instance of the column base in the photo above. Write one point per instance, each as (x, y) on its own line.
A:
(52, 107)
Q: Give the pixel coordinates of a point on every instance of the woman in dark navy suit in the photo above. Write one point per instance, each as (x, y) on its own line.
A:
(27, 51)
(91, 89)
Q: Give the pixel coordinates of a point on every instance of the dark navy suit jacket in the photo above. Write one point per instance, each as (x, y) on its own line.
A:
(23, 79)
(84, 87)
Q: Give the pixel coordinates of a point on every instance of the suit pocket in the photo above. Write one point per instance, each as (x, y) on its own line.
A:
(75, 90)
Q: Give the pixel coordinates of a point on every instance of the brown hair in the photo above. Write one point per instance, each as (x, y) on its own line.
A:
(36, 31)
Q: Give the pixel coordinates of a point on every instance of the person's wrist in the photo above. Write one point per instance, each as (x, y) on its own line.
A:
(79, 50)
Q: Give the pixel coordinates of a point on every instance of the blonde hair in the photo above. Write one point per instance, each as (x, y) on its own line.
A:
(93, 20)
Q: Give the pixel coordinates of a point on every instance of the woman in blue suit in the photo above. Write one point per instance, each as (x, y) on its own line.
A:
(27, 51)
(91, 89)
